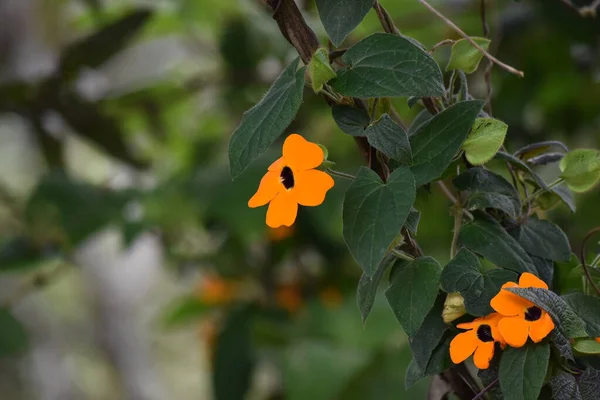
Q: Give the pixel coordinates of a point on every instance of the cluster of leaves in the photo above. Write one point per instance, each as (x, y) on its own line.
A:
(451, 139)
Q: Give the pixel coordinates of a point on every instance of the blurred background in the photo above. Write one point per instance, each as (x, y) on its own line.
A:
(130, 264)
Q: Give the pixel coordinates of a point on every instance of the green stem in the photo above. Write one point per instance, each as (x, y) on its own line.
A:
(542, 190)
(401, 255)
(340, 174)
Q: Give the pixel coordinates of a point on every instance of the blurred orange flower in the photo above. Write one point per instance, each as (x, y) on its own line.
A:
(483, 333)
(292, 180)
(281, 233)
(289, 298)
(214, 290)
(331, 297)
(598, 339)
(521, 318)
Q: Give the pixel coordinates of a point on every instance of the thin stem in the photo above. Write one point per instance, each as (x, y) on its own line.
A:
(340, 174)
(457, 225)
(486, 389)
(488, 69)
(582, 258)
(442, 43)
(374, 108)
(386, 20)
(473, 43)
(454, 200)
(401, 255)
(542, 190)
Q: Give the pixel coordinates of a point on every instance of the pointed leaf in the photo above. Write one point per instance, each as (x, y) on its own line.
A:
(429, 335)
(543, 239)
(587, 308)
(374, 213)
(581, 169)
(367, 287)
(266, 121)
(564, 387)
(340, 17)
(351, 120)
(389, 138)
(320, 70)
(413, 290)
(522, 371)
(465, 56)
(484, 141)
(385, 65)
(522, 166)
(437, 140)
(586, 346)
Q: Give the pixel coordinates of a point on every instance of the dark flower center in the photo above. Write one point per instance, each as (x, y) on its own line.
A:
(484, 333)
(287, 177)
(533, 314)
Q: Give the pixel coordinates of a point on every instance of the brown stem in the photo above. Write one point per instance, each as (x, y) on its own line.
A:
(582, 257)
(294, 28)
(486, 389)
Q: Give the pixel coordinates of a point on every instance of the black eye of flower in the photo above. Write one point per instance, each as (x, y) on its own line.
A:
(484, 333)
(533, 314)
(287, 177)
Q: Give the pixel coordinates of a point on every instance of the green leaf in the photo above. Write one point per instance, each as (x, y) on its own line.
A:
(549, 199)
(385, 65)
(564, 387)
(464, 274)
(565, 278)
(373, 214)
(522, 371)
(484, 141)
(20, 254)
(587, 346)
(266, 121)
(589, 384)
(340, 17)
(544, 239)
(486, 236)
(13, 336)
(488, 190)
(389, 138)
(588, 309)
(581, 169)
(562, 344)
(320, 70)
(437, 140)
(438, 363)
(186, 310)
(567, 321)
(465, 56)
(429, 335)
(351, 120)
(412, 221)
(367, 287)
(413, 290)
(522, 166)
(419, 120)
(490, 375)
(532, 150)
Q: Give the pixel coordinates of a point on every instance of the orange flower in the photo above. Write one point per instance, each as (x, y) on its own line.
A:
(289, 298)
(331, 297)
(598, 339)
(521, 318)
(479, 339)
(214, 290)
(292, 180)
(281, 233)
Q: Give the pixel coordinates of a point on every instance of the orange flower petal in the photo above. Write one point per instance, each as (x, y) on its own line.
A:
(530, 280)
(282, 210)
(267, 190)
(483, 355)
(300, 154)
(507, 303)
(277, 165)
(541, 328)
(514, 330)
(462, 346)
(598, 339)
(311, 186)
(470, 325)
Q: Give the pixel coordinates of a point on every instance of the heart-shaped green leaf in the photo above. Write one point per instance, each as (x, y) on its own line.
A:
(522, 371)
(389, 138)
(581, 169)
(340, 17)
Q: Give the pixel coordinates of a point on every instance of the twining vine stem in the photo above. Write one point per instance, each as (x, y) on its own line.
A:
(582, 257)
(341, 174)
(486, 389)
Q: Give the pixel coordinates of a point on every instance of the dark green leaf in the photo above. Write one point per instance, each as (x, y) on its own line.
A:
(486, 236)
(522, 166)
(374, 212)
(187, 310)
(544, 239)
(564, 387)
(340, 17)
(96, 49)
(233, 358)
(490, 375)
(437, 140)
(566, 279)
(589, 384)
(367, 287)
(588, 309)
(429, 335)
(413, 290)
(351, 120)
(389, 138)
(488, 190)
(563, 192)
(566, 320)
(522, 371)
(385, 65)
(266, 121)
(562, 344)
(13, 336)
(19, 253)
(464, 274)
(413, 375)
(545, 269)
(419, 120)
(412, 221)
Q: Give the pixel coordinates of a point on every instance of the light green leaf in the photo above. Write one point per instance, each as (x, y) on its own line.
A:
(340, 17)
(586, 345)
(588, 309)
(389, 138)
(385, 65)
(351, 120)
(543, 239)
(465, 56)
(266, 121)
(13, 336)
(413, 290)
(522, 371)
(581, 169)
(374, 212)
(486, 236)
(438, 140)
(565, 319)
(320, 70)
(484, 141)
(464, 274)
(187, 310)
(488, 190)
(367, 287)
